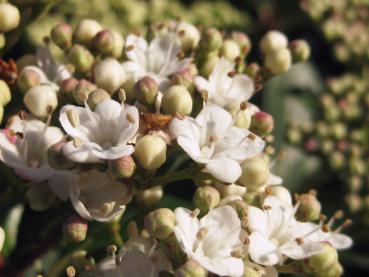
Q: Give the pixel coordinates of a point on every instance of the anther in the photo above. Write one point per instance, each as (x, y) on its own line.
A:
(231, 74)
(267, 207)
(130, 47)
(251, 136)
(195, 213)
(243, 106)
(70, 271)
(338, 214)
(299, 241)
(326, 228)
(122, 95)
(111, 249)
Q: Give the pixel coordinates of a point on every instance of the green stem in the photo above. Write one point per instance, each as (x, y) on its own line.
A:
(171, 177)
(114, 227)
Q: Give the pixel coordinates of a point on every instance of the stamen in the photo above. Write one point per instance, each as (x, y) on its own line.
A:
(130, 118)
(268, 191)
(181, 33)
(267, 207)
(130, 47)
(326, 228)
(107, 208)
(243, 106)
(345, 224)
(132, 229)
(299, 241)
(77, 142)
(251, 136)
(231, 74)
(70, 271)
(122, 96)
(73, 118)
(339, 214)
(202, 233)
(18, 134)
(111, 249)
(237, 254)
(195, 213)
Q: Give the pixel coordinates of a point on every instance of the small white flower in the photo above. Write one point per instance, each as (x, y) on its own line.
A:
(211, 139)
(275, 234)
(101, 134)
(223, 90)
(158, 60)
(95, 196)
(212, 240)
(24, 144)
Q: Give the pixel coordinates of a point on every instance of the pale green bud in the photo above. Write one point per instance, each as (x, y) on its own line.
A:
(191, 269)
(253, 70)
(124, 167)
(2, 41)
(40, 197)
(189, 36)
(96, 97)
(86, 31)
(103, 41)
(230, 50)
(75, 229)
(5, 93)
(250, 272)
(300, 50)
(61, 35)
(118, 46)
(150, 152)
(272, 41)
(26, 60)
(56, 157)
(28, 78)
(9, 17)
(177, 99)
(160, 223)
(81, 58)
(334, 271)
(337, 160)
(230, 189)
(243, 42)
(208, 64)
(211, 40)
(41, 101)
(309, 208)
(354, 202)
(262, 123)
(129, 88)
(324, 260)
(149, 197)
(109, 75)
(278, 61)
(146, 90)
(82, 90)
(206, 198)
(255, 173)
(184, 78)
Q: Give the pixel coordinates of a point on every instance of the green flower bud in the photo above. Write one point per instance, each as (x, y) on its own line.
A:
(189, 36)
(339, 130)
(253, 70)
(80, 260)
(262, 123)
(109, 75)
(26, 60)
(5, 93)
(9, 17)
(104, 41)
(177, 99)
(160, 223)
(211, 40)
(230, 50)
(184, 78)
(300, 50)
(67, 87)
(61, 35)
(355, 183)
(250, 272)
(149, 197)
(255, 173)
(273, 41)
(117, 50)
(40, 197)
(208, 63)
(81, 58)
(206, 198)
(191, 269)
(278, 61)
(97, 96)
(124, 167)
(334, 271)
(83, 90)
(324, 260)
(357, 166)
(2, 41)
(150, 152)
(146, 90)
(41, 100)
(56, 157)
(230, 189)
(309, 208)
(129, 88)
(86, 31)
(28, 79)
(243, 42)
(294, 135)
(75, 229)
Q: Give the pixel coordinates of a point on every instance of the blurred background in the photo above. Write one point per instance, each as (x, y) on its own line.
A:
(320, 109)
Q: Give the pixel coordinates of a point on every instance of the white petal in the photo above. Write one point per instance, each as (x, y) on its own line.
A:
(299, 252)
(224, 169)
(261, 250)
(186, 229)
(83, 154)
(257, 220)
(138, 53)
(60, 183)
(108, 109)
(222, 266)
(241, 89)
(114, 152)
(191, 147)
(203, 85)
(340, 241)
(2, 238)
(215, 119)
(137, 264)
(185, 127)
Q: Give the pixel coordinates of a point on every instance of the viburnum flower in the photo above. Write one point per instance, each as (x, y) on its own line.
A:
(24, 144)
(211, 139)
(93, 194)
(212, 240)
(225, 88)
(101, 134)
(158, 60)
(275, 234)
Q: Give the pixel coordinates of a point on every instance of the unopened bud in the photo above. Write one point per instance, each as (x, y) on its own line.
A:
(184, 78)
(255, 173)
(75, 228)
(28, 78)
(206, 198)
(324, 260)
(56, 157)
(211, 40)
(300, 50)
(230, 50)
(5, 93)
(117, 50)
(103, 42)
(129, 88)
(83, 90)
(339, 130)
(86, 31)
(208, 63)
(81, 58)
(2, 41)
(309, 208)
(243, 42)
(80, 260)
(41, 100)
(97, 96)
(189, 36)
(177, 99)
(61, 35)
(253, 70)
(124, 167)
(278, 61)
(160, 223)
(191, 269)
(9, 17)
(337, 160)
(109, 75)
(354, 202)
(146, 90)
(262, 123)
(149, 197)
(150, 152)
(40, 197)
(272, 41)
(357, 166)
(282, 194)
(67, 87)
(334, 271)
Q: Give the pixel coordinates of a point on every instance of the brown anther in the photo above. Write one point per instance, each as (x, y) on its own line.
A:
(231, 74)
(213, 138)
(281, 155)
(111, 249)
(180, 55)
(130, 118)
(339, 214)
(130, 47)
(122, 95)
(322, 217)
(160, 26)
(251, 136)
(46, 40)
(238, 60)
(267, 207)
(22, 115)
(8, 71)
(237, 254)
(145, 234)
(269, 138)
(204, 95)
(49, 109)
(258, 87)
(179, 116)
(270, 150)
(243, 106)
(83, 96)
(20, 135)
(299, 241)
(195, 213)
(346, 223)
(268, 191)
(246, 241)
(181, 33)
(70, 271)
(326, 228)
(297, 197)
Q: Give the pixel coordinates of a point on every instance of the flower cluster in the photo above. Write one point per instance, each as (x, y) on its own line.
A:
(101, 129)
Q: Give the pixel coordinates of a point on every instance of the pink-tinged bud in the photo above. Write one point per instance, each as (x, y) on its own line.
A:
(81, 58)
(300, 50)
(230, 50)
(184, 78)
(278, 61)
(309, 208)
(262, 123)
(75, 228)
(5, 93)
(243, 42)
(28, 78)
(311, 145)
(103, 42)
(67, 87)
(61, 35)
(146, 90)
(253, 70)
(86, 31)
(124, 167)
(56, 157)
(82, 91)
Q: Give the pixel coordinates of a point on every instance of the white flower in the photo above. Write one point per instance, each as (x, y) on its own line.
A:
(95, 196)
(275, 234)
(24, 144)
(211, 139)
(223, 90)
(101, 134)
(158, 60)
(212, 240)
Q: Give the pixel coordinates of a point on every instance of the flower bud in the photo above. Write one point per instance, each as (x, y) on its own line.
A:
(184, 78)
(208, 64)
(300, 50)
(357, 166)
(272, 41)
(86, 31)
(191, 269)
(81, 58)
(160, 223)
(211, 40)
(75, 229)
(103, 42)
(262, 123)
(338, 130)
(40, 197)
(26, 60)
(334, 271)
(5, 93)
(80, 260)
(206, 198)
(9, 17)
(189, 36)
(129, 88)
(309, 208)
(83, 90)
(28, 78)
(56, 157)
(124, 167)
(117, 50)
(354, 202)
(230, 190)
(150, 152)
(1, 113)
(243, 42)
(230, 50)
(255, 173)
(146, 90)
(324, 260)
(109, 75)
(61, 35)
(149, 197)
(41, 100)
(278, 61)
(67, 88)
(97, 96)
(2, 41)
(250, 272)
(337, 160)
(177, 99)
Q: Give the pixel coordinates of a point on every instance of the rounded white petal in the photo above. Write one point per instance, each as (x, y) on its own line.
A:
(186, 229)
(224, 169)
